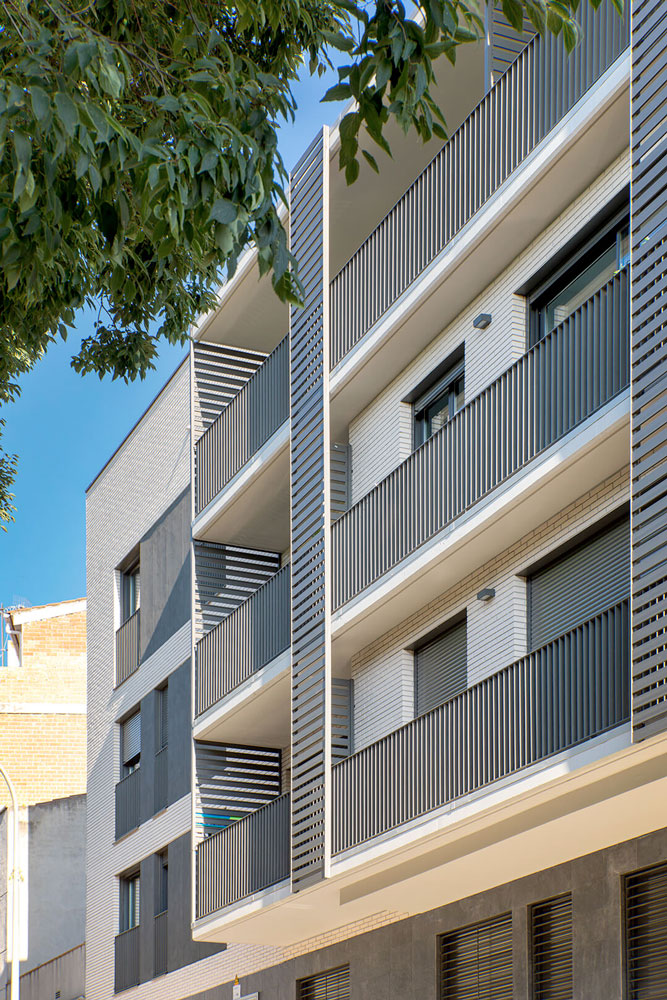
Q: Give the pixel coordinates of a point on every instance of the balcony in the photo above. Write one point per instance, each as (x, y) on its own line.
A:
(127, 648)
(128, 803)
(538, 403)
(227, 480)
(244, 652)
(126, 960)
(526, 104)
(573, 689)
(244, 858)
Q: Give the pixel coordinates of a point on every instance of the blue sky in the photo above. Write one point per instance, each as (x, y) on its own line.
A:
(64, 427)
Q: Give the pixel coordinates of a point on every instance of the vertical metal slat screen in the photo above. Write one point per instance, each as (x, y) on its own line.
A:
(309, 460)
(331, 985)
(476, 961)
(648, 210)
(551, 937)
(646, 933)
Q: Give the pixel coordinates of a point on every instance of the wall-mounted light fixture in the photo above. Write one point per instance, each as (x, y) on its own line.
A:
(486, 594)
(482, 321)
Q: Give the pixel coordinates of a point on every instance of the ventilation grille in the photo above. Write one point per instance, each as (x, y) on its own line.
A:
(552, 949)
(476, 961)
(332, 985)
(646, 933)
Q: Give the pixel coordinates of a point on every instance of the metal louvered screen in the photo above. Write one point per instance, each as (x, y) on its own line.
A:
(476, 961)
(648, 235)
(220, 373)
(441, 669)
(341, 718)
(551, 933)
(504, 42)
(580, 584)
(331, 985)
(646, 933)
(131, 738)
(340, 479)
(310, 513)
(225, 577)
(233, 781)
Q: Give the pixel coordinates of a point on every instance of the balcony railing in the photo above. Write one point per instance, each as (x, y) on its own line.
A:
(161, 942)
(243, 427)
(126, 960)
(127, 647)
(161, 779)
(571, 690)
(561, 381)
(247, 856)
(251, 636)
(528, 101)
(128, 803)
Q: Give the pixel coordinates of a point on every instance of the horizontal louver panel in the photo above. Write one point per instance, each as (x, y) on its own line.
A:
(552, 949)
(476, 961)
(233, 781)
(580, 584)
(332, 985)
(441, 669)
(646, 933)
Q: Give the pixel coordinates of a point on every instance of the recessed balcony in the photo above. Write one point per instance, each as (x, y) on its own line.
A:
(552, 426)
(242, 463)
(242, 670)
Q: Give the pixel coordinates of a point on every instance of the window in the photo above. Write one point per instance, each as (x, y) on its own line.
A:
(438, 404)
(476, 961)
(441, 668)
(162, 883)
(579, 584)
(129, 901)
(130, 587)
(130, 743)
(162, 720)
(646, 932)
(331, 985)
(584, 272)
(551, 936)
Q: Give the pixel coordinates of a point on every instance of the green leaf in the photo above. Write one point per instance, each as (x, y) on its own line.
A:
(41, 104)
(223, 211)
(23, 150)
(371, 160)
(67, 113)
(339, 92)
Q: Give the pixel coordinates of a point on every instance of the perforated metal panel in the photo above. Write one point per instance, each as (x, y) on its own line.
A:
(310, 511)
(551, 935)
(476, 961)
(648, 217)
(646, 933)
(582, 583)
(441, 669)
(331, 985)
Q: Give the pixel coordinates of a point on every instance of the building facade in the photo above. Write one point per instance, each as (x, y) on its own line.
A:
(377, 676)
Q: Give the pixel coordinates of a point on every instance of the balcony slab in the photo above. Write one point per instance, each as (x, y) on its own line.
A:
(253, 508)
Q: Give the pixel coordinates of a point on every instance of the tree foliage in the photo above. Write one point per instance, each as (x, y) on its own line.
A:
(138, 150)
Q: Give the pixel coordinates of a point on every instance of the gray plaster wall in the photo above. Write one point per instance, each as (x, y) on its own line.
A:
(165, 575)
(399, 961)
(56, 880)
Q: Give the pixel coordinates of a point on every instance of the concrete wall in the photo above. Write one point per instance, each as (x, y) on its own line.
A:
(399, 961)
(54, 880)
(383, 672)
(381, 436)
(63, 976)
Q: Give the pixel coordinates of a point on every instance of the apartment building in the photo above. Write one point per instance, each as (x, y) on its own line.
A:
(377, 681)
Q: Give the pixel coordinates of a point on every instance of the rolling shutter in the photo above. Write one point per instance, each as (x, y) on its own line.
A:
(441, 669)
(331, 985)
(646, 933)
(131, 738)
(579, 585)
(552, 949)
(476, 961)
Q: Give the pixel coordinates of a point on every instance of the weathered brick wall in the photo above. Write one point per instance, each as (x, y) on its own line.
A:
(42, 710)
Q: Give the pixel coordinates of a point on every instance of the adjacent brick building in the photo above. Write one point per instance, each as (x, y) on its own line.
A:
(43, 702)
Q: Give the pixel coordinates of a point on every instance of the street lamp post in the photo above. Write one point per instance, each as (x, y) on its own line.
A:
(13, 865)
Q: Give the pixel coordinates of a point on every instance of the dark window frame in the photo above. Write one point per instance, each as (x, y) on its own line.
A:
(436, 384)
(129, 904)
(131, 764)
(591, 247)
(130, 591)
(162, 882)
